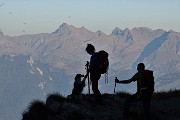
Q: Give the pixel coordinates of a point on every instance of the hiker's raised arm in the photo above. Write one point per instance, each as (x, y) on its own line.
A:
(88, 71)
(83, 82)
(126, 81)
(123, 81)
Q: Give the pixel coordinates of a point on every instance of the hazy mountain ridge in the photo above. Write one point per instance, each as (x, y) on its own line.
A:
(64, 48)
(52, 60)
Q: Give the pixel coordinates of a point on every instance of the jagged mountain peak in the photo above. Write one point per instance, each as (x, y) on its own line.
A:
(117, 31)
(83, 28)
(127, 35)
(159, 31)
(172, 32)
(99, 32)
(126, 30)
(141, 28)
(65, 25)
(63, 28)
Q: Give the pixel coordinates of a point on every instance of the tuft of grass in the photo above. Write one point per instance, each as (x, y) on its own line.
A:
(166, 94)
(54, 103)
(56, 96)
(123, 94)
(37, 105)
(36, 110)
(161, 95)
(105, 94)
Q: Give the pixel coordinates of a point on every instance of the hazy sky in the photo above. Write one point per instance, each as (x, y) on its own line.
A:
(19, 17)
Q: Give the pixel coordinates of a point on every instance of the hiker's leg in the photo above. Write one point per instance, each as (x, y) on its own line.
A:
(128, 101)
(146, 100)
(94, 79)
(96, 91)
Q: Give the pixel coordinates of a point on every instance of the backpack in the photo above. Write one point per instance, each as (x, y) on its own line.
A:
(103, 61)
(149, 81)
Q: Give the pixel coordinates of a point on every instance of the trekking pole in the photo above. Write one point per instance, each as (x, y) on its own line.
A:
(87, 68)
(106, 77)
(139, 112)
(114, 88)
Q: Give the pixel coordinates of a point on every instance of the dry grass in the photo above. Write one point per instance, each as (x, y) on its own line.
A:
(123, 94)
(160, 95)
(166, 94)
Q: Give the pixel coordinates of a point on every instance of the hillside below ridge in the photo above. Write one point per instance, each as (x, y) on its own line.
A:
(164, 106)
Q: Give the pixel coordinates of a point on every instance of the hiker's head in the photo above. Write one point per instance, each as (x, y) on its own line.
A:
(90, 49)
(140, 67)
(78, 77)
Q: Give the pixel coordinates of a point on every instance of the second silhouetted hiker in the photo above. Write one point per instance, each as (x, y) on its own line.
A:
(145, 88)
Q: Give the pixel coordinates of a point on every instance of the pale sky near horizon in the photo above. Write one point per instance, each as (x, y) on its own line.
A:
(18, 17)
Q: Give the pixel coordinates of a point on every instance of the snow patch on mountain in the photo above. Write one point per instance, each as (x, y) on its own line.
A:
(150, 48)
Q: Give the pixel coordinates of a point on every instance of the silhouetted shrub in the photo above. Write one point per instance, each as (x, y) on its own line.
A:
(54, 102)
(37, 110)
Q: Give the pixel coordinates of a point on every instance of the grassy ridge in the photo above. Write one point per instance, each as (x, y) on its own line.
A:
(159, 95)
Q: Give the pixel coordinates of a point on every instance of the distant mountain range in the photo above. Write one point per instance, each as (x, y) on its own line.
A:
(32, 66)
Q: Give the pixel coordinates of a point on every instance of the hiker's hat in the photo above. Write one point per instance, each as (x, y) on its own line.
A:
(141, 66)
(78, 76)
(90, 47)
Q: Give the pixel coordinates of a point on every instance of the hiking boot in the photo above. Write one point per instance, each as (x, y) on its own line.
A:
(125, 116)
(101, 103)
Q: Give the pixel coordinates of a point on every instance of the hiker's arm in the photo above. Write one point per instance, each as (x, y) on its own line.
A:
(123, 81)
(134, 78)
(88, 71)
(83, 83)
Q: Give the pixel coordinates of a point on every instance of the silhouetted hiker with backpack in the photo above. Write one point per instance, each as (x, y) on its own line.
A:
(145, 88)
(78, 87)
(98, 65)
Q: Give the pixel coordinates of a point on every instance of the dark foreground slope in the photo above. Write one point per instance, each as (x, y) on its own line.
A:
(165, 106)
